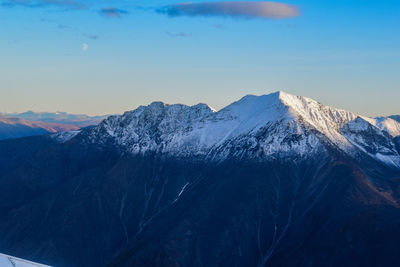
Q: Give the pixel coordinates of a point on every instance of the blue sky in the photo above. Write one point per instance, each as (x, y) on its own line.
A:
(99, 57)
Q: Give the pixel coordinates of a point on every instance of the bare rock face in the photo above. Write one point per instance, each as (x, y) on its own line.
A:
(274, 180)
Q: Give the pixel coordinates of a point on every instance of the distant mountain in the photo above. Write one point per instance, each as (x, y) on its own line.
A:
(79, 120)
(15, 127)
(272, 180)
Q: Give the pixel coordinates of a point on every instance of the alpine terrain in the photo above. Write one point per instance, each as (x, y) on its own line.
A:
(271, 180)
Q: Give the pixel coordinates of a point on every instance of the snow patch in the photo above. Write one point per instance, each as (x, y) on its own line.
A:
(10, 261)
(65, 136)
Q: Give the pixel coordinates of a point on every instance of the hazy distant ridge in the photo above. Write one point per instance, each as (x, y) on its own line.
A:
(15, 125)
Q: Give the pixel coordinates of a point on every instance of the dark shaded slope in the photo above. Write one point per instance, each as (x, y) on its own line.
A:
(397, 143)
(8, 131)
(74, 205)
(276, 214)
(80, 205)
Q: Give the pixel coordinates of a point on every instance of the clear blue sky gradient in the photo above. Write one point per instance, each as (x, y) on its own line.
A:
(344, 53)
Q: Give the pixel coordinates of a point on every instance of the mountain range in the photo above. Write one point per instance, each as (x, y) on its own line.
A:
(80, 120)
(14, 125)
(272, 180)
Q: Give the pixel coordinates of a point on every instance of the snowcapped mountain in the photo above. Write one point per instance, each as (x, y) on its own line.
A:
(278, 124)
(272, 180)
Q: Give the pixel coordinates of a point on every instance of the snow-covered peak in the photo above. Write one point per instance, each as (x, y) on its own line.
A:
(252, 104)
(254, 112)
(280, 105)
(389, 125)
(324, 118)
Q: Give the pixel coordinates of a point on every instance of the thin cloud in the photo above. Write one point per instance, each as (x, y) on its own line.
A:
(240, 9)
(18, 2)
(70, 3)
(113, 12)
(40, 3)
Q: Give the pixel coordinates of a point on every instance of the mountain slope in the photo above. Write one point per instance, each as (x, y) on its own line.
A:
(275, 180)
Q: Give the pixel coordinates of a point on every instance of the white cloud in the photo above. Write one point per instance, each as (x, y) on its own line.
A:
(244, 9)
